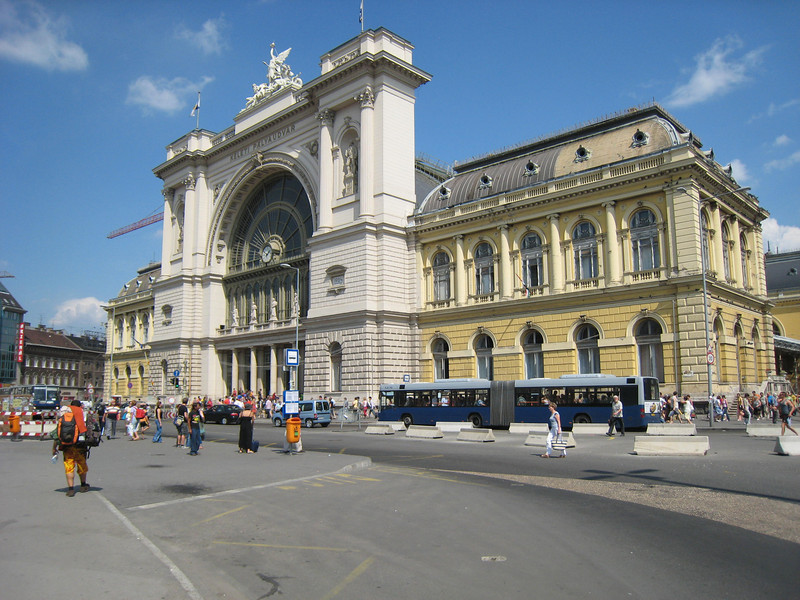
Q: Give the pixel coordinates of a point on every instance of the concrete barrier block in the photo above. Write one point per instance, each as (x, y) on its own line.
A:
(527, 428)
(379, 430)
(671, 445)
(540, 439)
(589, 428)
(671, 429)
(788, 445)
(475, 435)
(429, 432)
(453, 426)
(395, 425)
(764, 429)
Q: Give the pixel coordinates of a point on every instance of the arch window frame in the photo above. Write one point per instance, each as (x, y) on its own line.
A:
(442, 287)
(588, 349)
(484, 269)
(584, 248)
(533, 355)
(650, 348)
(441, 362)
(644, 241)
(531, 255)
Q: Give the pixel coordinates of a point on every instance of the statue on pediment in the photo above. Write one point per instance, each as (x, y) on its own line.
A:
(279, 76)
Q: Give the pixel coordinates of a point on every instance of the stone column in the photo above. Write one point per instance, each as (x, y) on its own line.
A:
(506, 275)
(613, 244)
(460, 275)
(325, 169)
(735, 253)
(716, 224)
(556, 257)
(190, 209)
(253, 369)
(273, 371)
(234, 370)
(366, 161)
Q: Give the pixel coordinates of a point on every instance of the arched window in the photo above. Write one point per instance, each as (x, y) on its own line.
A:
(145, 329)
(726, 255)
(133, 332)
(651, 354)
(484, 269)
(336, 367)
(441, 277)
(588, 351)
(532, 275)
(483, 352)
(532, 347)
(704, 241)
(644, 241)
(743, 258)
(120, 332)
(584, 245)
(441, 364)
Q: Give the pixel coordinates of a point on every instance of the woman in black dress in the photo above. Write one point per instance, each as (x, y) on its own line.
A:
(246, 429)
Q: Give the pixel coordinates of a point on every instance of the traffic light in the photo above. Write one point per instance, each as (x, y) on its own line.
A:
(176, 382)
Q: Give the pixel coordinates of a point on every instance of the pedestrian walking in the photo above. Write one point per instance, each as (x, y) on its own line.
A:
(553, 432)
(158, 416)
(74, 453)
(615, 422)
(786, 408)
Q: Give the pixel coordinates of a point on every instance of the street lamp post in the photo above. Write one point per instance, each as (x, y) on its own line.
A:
(704, 267)
(296, 321)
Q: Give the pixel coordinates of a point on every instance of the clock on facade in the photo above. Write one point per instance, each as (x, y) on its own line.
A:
(266, 254)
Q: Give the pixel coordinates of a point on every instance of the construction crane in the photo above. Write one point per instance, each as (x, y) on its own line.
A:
(137, 225)
(5, 274)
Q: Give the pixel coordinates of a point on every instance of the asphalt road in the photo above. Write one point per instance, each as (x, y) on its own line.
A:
(359, 516)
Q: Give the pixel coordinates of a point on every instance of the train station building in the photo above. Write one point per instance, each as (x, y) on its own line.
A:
(620, 246)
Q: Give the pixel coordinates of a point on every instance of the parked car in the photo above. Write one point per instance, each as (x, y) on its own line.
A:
(223, 413)
(312, 412)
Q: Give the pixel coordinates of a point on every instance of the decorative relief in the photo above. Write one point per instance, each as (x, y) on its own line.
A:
(279, 77)
(190, 181)
(326, 116)
(366, 98)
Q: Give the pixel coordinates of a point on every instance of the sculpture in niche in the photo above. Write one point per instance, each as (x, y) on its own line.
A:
(279, 76)
(235, 316)
(253, 314)
(273, 306)
(350, 170)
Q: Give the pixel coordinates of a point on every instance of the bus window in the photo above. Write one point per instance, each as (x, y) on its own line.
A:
(481, 397)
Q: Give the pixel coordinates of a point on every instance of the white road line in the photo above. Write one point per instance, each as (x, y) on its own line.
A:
(183, 580)
(364, 464)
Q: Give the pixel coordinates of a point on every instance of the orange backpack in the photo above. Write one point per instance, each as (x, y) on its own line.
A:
(67, 429)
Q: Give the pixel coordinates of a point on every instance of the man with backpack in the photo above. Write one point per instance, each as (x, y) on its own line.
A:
(71, 429)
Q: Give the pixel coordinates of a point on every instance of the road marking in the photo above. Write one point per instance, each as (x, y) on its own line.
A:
(227, 512)
(281, 546)
(362, 464)
(183, 580)
(354, 574)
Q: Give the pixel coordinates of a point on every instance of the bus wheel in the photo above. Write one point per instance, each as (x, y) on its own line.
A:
(476, 420)
(581, 419)
(408, 421)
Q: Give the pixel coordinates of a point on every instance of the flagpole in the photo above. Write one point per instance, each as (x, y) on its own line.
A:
(361, 16)
(196, 109)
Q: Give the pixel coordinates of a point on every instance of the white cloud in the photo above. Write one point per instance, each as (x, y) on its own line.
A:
(165, 95)
(780, 238)
(38, 38)
(716, 72)
(740, 173)
(781, 164)
(782, 140)
(208, 39)
(79, 314)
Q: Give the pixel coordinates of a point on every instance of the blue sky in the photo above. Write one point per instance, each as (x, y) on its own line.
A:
(92, 92)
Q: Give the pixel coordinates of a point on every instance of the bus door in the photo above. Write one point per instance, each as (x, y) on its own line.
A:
(501, 411)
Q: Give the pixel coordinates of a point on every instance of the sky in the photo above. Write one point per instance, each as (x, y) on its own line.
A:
(93, 92)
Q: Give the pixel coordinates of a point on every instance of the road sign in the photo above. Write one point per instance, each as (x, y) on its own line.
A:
(710, 358)
(176, 373)
(292, 357)
(291, 402)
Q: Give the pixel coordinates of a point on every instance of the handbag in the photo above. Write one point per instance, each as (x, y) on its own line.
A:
(559, 444)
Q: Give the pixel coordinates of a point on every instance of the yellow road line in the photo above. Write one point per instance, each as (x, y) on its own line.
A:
(233, 510)
(354, 574)
(281, 546)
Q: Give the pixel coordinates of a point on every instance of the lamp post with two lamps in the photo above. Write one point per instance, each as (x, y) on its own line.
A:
(294, 381)
(710, 357)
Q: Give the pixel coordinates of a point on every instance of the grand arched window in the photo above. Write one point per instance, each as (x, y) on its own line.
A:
(484, 269)
(704, 240)
(483, 354)
(644, 241)
(441, 277)
(651, 354)
(584, 244)
(588, 351)
(441, 363)
(534, 359)
(272, 228)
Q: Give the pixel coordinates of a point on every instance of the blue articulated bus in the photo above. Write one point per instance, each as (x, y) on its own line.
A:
(484, 403)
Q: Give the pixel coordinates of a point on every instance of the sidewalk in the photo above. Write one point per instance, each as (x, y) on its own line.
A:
(88, 544)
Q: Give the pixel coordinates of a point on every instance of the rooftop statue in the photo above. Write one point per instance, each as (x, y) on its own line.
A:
(279, 76)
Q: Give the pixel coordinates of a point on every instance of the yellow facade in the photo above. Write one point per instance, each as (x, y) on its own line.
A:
(474, 242)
